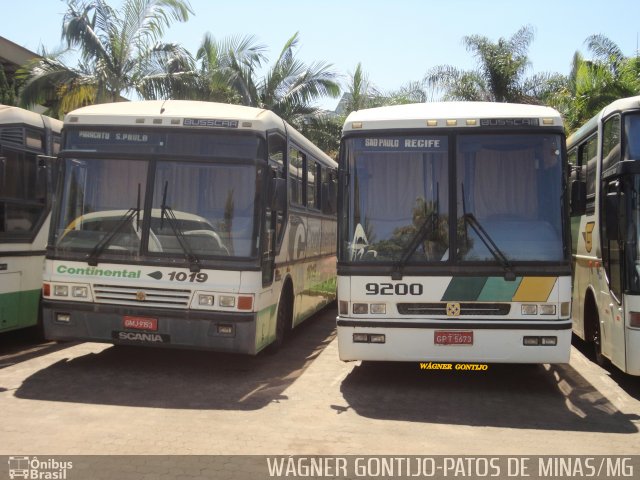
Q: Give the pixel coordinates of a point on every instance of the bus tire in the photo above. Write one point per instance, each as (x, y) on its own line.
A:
(597, 345)
(283, 318)
(593, 332)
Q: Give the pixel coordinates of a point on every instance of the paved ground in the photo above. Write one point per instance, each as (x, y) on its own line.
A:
(61, 399)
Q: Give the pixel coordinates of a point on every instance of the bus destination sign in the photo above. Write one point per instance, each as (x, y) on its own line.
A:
(438, 144)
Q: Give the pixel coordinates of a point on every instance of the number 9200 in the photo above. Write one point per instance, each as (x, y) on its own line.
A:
(393, 288)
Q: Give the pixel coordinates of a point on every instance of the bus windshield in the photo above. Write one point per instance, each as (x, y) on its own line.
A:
(512, 186)
(509, 198)
(632, 136)
(399, 190)
(199, 208)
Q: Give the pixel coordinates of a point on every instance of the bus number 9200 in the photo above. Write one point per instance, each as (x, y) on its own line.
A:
(393, 289)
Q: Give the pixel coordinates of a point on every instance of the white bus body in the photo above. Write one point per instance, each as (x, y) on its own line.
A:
(188, 224)
(453, 237)
(605, 217)
(27, 143)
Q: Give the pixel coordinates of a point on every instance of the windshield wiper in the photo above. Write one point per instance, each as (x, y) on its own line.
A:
(428, 226)
(167, 211)
(469, 218)
(491, 246)
(92, 258)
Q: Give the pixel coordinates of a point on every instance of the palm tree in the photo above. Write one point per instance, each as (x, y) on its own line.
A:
(120, 53)
(8, 91)
(220, 69)
(360, 93)
(593, 84)
(500, 76)
(290, 86)
(229, 69)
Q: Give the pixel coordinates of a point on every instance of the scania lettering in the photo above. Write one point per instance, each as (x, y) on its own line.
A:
(453, 235)
(140, 337)
(223, 236)
(28, 145)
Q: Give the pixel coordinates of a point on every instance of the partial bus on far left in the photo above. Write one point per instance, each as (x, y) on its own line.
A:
(28, 145)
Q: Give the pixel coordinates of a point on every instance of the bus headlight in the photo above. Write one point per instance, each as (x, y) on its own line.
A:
(60, 291)
(529, 309)
(227, 301)
(378, 308)
(547, 309)
(205, 300)
(360, 308)
(79, 292)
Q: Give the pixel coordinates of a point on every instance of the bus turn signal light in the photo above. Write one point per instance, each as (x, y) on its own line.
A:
(245, 302)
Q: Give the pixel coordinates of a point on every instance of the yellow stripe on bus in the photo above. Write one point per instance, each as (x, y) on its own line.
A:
(534, 289)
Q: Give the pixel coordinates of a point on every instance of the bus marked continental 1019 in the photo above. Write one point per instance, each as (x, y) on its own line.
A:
(453, 234)
(188, 224)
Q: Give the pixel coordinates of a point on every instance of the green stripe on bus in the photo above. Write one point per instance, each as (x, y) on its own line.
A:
(498, 289)
(464, 289)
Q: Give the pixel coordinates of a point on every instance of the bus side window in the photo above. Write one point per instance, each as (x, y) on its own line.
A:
(277, 148)
(576, 184)
(297, 160)
(313, 184)
(587, 157)
(610, 142)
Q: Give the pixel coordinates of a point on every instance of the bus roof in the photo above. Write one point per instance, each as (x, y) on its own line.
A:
(189, 115)
(165, 113)
(417, 115)
(629, 103)
(19, 116)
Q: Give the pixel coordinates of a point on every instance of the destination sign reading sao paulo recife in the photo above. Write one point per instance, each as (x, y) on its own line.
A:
(403, 143)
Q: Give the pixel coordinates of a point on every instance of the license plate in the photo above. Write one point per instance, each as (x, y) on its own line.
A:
(454, 337)
(140, 323)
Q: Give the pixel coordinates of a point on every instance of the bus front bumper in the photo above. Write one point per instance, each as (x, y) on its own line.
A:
(420, 340)
(218, 331)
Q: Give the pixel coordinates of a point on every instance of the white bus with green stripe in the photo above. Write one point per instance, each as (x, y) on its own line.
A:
(28, 142)
(453, 235)
(190, 225)
(605, 216)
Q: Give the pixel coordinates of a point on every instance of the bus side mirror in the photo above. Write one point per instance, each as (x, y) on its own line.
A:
(578, 199)
(278, 194)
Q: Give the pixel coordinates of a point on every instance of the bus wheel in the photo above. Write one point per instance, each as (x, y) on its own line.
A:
(597, 345)
(283, 320)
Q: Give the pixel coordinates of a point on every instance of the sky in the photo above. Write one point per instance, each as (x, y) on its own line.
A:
(396, 41)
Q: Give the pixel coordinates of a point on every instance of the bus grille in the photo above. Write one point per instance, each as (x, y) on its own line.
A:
(150, 297)
(471, 309)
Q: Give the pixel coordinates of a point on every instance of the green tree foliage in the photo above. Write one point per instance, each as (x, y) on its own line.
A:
(229, 70)
(501, 73)
(594, 83)
(8, 91)
(120, 52)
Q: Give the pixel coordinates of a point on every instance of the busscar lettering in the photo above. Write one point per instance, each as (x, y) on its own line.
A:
(509, 122)
(209, 122)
